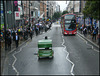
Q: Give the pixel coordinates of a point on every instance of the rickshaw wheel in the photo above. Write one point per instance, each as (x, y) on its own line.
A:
(39, 58)
(51, 57)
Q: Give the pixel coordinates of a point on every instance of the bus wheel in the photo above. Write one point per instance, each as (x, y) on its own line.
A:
(64, 34)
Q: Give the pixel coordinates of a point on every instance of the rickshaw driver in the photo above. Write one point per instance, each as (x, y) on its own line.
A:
(46, 39)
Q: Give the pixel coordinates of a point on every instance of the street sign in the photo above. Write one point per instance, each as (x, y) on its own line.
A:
(1, 11)
(17, 15)
(9, 12)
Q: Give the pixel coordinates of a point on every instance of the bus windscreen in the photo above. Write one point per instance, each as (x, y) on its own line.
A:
(70, 27)
(70, 22)
(70, 17)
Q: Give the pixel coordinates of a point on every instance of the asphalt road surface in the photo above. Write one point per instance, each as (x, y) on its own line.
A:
(72, 56)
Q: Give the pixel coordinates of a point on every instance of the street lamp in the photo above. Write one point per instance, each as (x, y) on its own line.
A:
(29, 13)
(4, 13)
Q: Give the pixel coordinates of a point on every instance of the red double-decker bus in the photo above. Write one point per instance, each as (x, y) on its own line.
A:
(68, 24)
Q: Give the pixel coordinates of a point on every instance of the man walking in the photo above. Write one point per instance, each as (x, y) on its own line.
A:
(9, 42)
(17, 40)
(94, 35)
(31, 34)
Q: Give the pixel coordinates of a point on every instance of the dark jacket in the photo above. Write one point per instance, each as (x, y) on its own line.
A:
(9, 40)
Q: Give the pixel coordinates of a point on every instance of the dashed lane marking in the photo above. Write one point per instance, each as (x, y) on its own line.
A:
(88, 44)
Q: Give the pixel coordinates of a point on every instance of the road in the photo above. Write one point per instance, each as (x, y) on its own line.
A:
(72, 56)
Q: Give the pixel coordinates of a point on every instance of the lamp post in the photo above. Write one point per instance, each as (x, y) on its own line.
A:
(29, 13)
(4, 11)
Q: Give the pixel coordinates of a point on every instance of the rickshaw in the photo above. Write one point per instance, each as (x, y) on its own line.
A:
(45, 48)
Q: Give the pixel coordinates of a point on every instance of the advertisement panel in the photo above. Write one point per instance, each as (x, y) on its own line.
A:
(17, 15)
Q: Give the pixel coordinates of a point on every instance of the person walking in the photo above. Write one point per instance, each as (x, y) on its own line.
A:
(31, 34)
(6, 41)
(98, 37)
(1, 39)
(16, 40)
(94, 35)
(13, 34)
(85, 31)
(9, 42)
(36, 30)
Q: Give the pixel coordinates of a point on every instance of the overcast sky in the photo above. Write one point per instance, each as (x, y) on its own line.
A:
(62, 4)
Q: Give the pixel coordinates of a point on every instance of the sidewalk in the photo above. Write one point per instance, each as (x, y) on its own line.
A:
(89, 38)
(4, 53)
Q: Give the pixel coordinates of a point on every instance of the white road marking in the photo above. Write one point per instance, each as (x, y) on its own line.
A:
(65, 50)
(90, 41)
(16, 59)
(88, 44)
(15, 48)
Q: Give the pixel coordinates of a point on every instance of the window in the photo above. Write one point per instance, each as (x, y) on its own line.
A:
(70, 17)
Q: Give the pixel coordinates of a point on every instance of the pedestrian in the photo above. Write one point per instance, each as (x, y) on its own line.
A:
(81, 29)
(16, 40)
(97, 30)
(6, 41)
(85, 31)
(9, 42)
(98, 37)
(94, 35)
(36, 30)
(31, 34)
(1, 39)
(33, 30)
(13, 34)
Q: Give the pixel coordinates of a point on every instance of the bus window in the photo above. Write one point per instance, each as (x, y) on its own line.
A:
(69, 17)
(70, 26)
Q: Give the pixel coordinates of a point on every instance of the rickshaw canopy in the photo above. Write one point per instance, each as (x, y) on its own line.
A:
(44, 43)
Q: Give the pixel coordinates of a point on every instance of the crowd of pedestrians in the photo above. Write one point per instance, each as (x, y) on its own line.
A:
(22, 33)
(94, 32)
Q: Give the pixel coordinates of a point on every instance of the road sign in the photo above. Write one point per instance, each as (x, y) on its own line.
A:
(1, 11)
(9, 12)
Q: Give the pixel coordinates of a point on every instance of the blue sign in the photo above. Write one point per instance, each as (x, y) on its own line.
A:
(1, 11)
(38, 13)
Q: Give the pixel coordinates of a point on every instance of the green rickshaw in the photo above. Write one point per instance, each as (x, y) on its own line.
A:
(45, 48)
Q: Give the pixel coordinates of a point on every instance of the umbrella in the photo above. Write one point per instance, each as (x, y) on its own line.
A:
(38, 24)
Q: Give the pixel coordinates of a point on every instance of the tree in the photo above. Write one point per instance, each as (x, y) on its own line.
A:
(64, 12)
(92, 10)
(57, 15)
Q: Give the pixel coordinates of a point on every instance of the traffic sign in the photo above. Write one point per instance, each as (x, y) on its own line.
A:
(1, 11)
(9, 12)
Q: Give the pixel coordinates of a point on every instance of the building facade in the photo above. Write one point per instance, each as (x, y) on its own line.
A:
(51, 8)
(57, 8)
(76, 7)
(43, 9)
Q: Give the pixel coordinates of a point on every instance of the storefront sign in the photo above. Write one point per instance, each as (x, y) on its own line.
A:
(17, 15)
